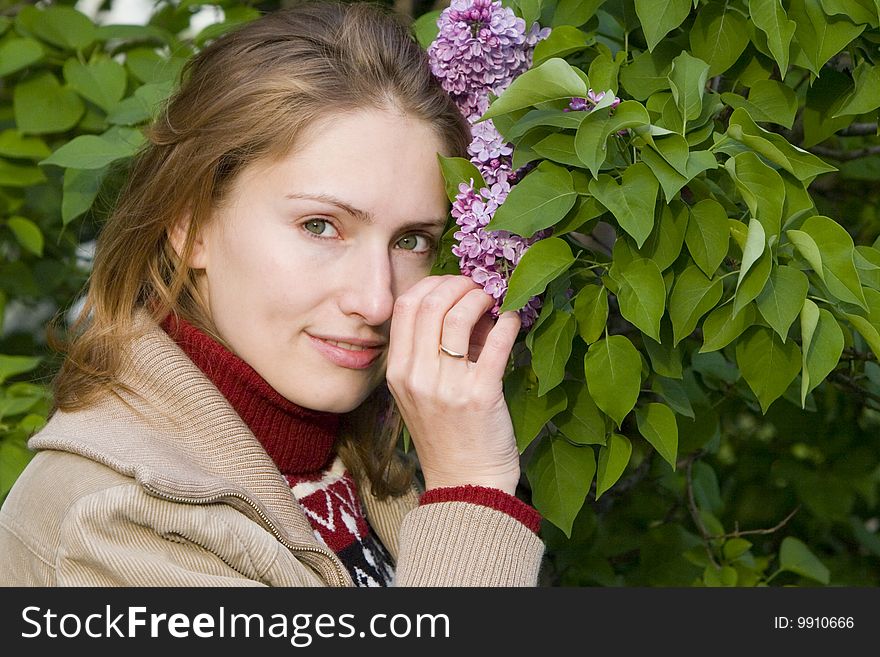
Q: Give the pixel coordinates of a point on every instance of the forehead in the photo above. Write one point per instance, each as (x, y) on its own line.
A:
(377, 160)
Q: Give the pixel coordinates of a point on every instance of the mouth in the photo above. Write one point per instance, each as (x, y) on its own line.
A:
(349, 354)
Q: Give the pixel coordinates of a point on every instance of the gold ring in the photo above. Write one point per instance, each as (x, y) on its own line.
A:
(449, 352)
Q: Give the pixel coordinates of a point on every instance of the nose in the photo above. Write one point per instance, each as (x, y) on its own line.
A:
(368, 289)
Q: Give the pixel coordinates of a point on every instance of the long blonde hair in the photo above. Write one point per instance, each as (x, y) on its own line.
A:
(247, 96)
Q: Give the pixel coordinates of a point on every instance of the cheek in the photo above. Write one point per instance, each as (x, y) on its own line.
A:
(408, 274)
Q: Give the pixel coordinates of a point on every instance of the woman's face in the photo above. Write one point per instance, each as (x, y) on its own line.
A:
(314, 248)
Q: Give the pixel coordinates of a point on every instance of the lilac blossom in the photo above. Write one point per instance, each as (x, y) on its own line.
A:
(481, 48)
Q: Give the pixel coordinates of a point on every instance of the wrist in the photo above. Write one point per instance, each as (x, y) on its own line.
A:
(506, 482)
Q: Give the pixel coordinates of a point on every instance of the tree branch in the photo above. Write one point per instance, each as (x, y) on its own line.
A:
(737, 533)
(859, 130)
(850, 384)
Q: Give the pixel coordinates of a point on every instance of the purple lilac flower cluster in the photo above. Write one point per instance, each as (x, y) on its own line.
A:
(482, 47)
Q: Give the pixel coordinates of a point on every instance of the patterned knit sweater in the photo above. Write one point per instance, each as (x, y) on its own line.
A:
(301, 443)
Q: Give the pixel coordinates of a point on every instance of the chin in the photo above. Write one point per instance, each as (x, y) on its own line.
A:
(333, 404)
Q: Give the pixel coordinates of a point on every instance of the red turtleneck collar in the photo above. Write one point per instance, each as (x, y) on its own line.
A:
(298, 439)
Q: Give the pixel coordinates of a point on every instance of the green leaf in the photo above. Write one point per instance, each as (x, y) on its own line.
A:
(868, 325)
(657, 425)
(16, 54)
(753, 282)
(660, 17)
(756, 244)
(817, 35)
(80, 188)
(769, 101)
(605, 68)
(613, 369)
(542, 262)
(769, 17)
(665, 359)
(27, 233)
(719, 36)
(574, 12)
(142, 106)
(641, 295)
(13, 144)
(613, 459)
(91, 152)
(560, 475)
(591, 140)
(529, 412)
(101, 81)
(708, 235)
(767, 364)
(457, 170)
(822, 345)
(581, 422)
(687, 79)
(558, 147)
(802, 165)
(552, 347)
(836, 251)
(866, 95)
(539, 200)
(782, 298)
(675, 394)
(563, 40)
(42, 106)
(631, 202)
(858, 11)
(554, 79)
(808, 249)
(722, 326)
(14, 365)
(591, 312)
(61, 26)
(13, 459)
(663, 245)
(795, 557)
(150, 67)
(693, 295)
(425, 27)
(647, 73)
(17, 175)
(761, 188)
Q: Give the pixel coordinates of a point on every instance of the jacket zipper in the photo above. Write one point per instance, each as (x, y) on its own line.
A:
(340, 576)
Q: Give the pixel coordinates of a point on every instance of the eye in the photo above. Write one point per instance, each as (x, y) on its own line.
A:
(411, 242)
(317, 227)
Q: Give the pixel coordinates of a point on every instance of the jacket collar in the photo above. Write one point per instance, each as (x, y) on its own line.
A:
(181, 440)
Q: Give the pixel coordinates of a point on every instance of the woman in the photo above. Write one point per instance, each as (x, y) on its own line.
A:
(222, 413)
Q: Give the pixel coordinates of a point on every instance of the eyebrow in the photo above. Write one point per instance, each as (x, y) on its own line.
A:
(362, 215)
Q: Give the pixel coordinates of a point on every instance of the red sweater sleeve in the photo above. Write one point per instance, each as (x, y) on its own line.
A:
(485, 496)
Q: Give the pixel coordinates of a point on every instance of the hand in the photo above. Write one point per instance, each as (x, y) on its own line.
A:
(454, 408)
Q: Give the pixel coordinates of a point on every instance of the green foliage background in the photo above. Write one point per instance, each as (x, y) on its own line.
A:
(698, 403)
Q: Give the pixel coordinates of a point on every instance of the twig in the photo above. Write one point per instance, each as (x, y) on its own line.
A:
(852, 354)
(843, 379)
(737, 533)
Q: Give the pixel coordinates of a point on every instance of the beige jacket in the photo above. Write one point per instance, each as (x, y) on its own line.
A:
(169, 487)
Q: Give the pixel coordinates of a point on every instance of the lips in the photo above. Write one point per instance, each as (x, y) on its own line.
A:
(350, 353)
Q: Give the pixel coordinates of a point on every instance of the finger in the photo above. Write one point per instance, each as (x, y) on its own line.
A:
(479, 335)
(493, 359)
(460, 320)
(431, 313)
(402, 335)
